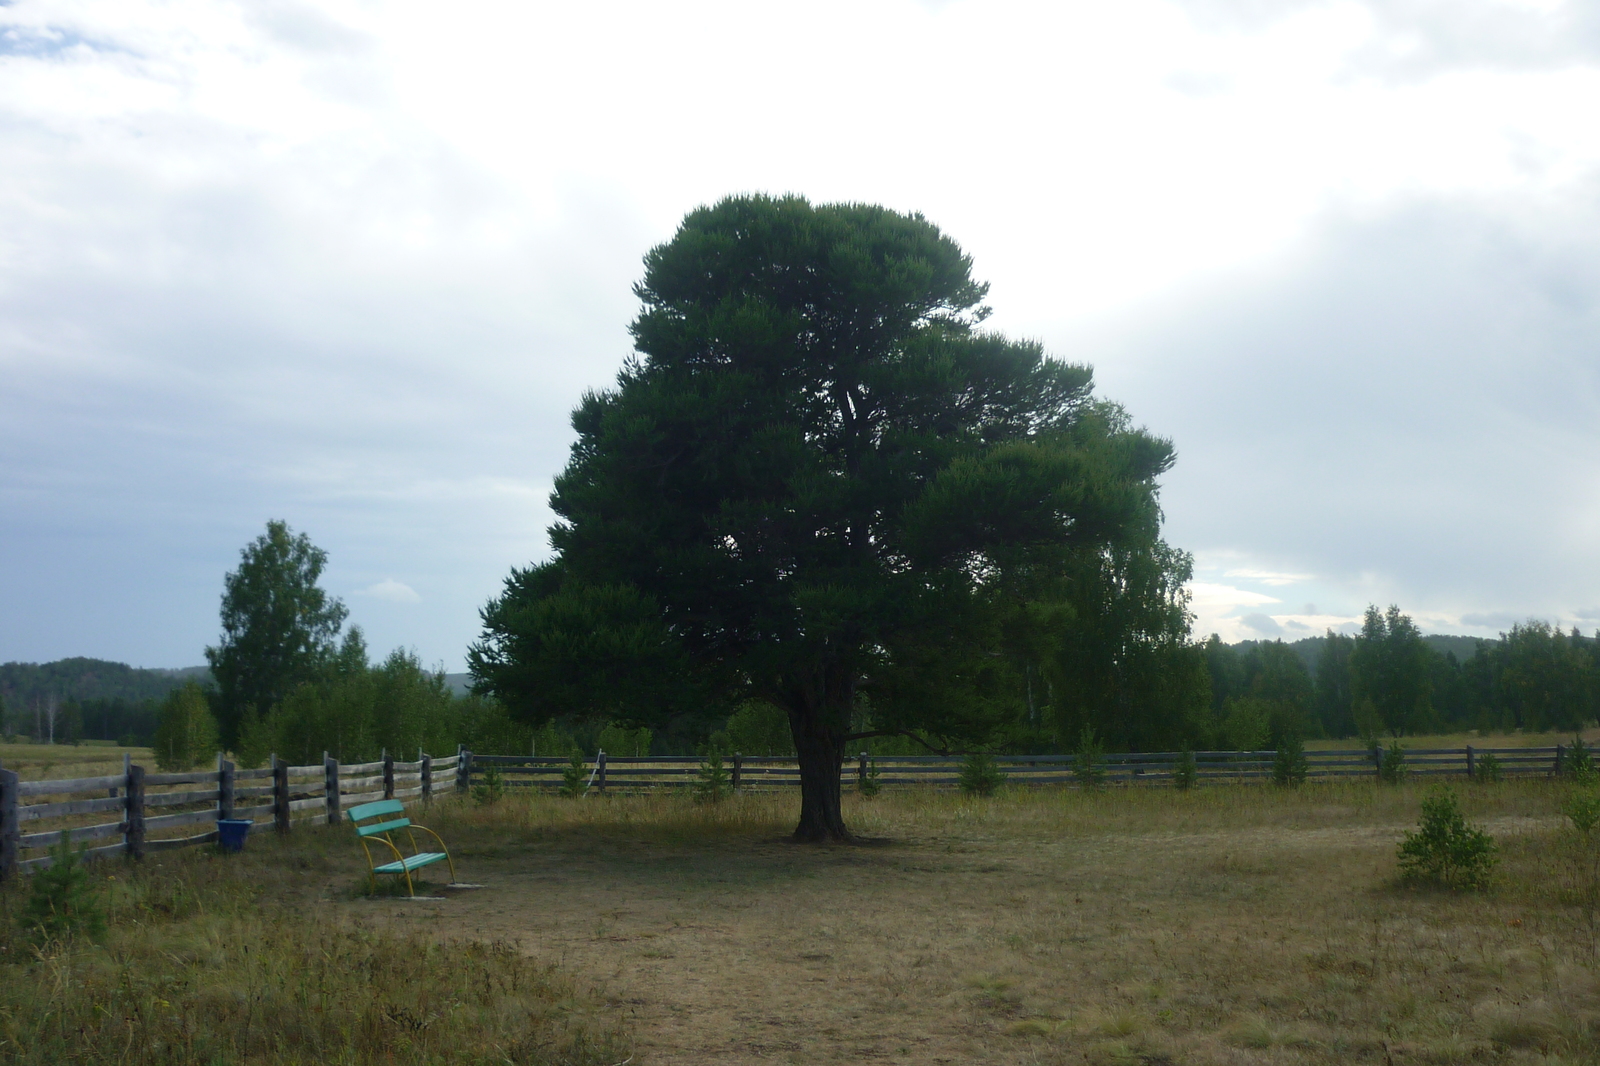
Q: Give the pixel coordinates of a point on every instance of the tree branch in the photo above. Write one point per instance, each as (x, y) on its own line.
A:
(899, 733)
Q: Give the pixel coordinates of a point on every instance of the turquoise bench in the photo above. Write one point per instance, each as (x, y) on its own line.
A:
(384, 829)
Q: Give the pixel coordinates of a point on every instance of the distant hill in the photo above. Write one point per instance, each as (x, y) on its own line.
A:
(1310, 648)
(77, 680)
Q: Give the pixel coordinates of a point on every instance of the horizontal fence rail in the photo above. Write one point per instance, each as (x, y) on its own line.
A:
(759, 772)
(161, 811)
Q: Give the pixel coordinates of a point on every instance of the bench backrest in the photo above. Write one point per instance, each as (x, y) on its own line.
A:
(378, 809)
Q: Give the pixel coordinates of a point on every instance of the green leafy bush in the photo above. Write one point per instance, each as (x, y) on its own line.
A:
(60, 902)
(1087, 765)
(1185, 772)
(712, 783)
(620, 740)
(1289, 766)
(1486, 768)
(1445, 850)
(492, 788)
(980, 776)
(1392, 768)
(575, 776)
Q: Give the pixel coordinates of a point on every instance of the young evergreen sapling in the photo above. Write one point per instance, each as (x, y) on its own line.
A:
(980, 776)
(60, 902)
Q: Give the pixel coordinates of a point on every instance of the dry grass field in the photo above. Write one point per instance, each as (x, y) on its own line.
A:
(48, 762)
(1227, 925)
(1233, 924)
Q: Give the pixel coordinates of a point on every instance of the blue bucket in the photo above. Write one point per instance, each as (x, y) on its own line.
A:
(232, 831)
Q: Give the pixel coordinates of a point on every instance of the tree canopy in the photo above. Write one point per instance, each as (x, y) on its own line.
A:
(279, 628)
(822, 484)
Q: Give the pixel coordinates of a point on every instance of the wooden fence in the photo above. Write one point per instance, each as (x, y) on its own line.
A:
(35, 814)
(761, 773)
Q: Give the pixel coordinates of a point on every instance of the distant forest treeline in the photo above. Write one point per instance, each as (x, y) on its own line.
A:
(1390, 680)
(1387, 680)
(86, 699)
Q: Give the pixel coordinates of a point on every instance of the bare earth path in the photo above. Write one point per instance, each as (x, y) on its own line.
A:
(1036, 930)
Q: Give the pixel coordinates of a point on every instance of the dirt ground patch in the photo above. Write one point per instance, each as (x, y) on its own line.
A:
(1242, 925)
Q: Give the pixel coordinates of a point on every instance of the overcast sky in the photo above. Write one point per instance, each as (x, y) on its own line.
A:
(351, 264)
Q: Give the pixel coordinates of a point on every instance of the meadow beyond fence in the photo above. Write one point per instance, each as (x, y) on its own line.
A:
(156, 812)
(760, 773)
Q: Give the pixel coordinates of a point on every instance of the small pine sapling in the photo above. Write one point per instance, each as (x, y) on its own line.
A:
(1445, 849)
(1185, 772)
(1579, 763)
(575, 777)
(980, 776)
(1486, 769)
(1393, 767)
(712, 784)
(60, 902)
(869, 785)
(1289, 766)
(1086, 766)
(492, 788)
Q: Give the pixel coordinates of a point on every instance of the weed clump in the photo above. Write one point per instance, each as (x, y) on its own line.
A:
(1392, 768)
(60, 902)
(870, 785)
(1445, 849)
(1487, 769)
(980, 776)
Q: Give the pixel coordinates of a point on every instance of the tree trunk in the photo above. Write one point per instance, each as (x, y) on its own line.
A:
(820, 750)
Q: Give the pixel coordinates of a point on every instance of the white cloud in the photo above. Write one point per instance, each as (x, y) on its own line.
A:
(352, 266)
(391, 591)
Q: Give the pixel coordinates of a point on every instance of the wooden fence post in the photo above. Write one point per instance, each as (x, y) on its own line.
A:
(427, 775)
(1377, 763)
(861, 772)
(330, 779)
(1557, 767)
(463, 769)
(225, 782)
(133, 821)
(388, 775)
(10, 831)
(1469, 762)
(280, 794)
(600, 770)
(738, 770)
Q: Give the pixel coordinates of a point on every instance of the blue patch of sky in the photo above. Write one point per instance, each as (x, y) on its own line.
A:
(41, 43)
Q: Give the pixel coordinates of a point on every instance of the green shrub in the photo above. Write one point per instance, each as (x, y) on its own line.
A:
(60, 902)
(869, 785)
(1289, 766)
(712, 784)
(1393, 767)
(1445, 850)
(1583, 811)
(1486, 768)
(492, 788)
(980, 776)
(1087, 765)
(1578, 762)
(575, 777)
(1185, 772)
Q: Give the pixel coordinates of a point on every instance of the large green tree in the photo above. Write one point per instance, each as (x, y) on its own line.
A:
(279, 628)
(1389, 666)
(820, 484)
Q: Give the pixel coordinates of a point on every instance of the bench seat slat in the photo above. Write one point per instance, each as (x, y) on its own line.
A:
(410, 862)
(383, 827)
